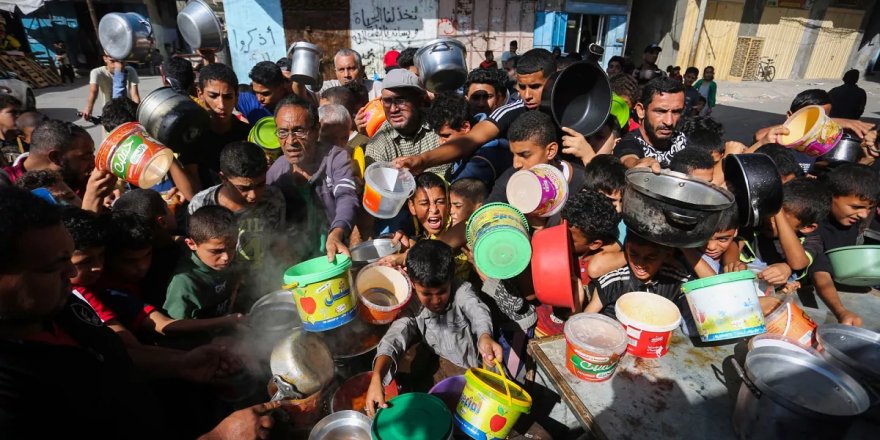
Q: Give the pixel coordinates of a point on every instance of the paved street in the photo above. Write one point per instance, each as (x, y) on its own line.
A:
(743, 107)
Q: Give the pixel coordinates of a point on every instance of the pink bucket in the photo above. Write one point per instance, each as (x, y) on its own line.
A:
(811, 131)
(541, 190)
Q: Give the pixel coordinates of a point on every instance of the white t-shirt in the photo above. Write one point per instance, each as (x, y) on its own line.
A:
(104, 79)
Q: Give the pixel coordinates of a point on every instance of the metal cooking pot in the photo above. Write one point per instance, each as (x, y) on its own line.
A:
(755, 183)
(172, 118)
(442, 64)
(579, 97)
(672, 208)
(303, 360)
(348, 424)
(857, 349)
(200, 27)
(126, 36)
(849, 149)
(305, 59)
(792, 395)
(353, 345)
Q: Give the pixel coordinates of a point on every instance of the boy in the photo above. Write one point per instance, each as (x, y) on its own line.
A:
(465, 197)
(429, 206)
(854, 194)
(719, 244)
(203, 285)
(708, 89)
(784, 243)
(705, 134)
(592, 222)
(450, 320)
(695, 163)
(10, 144)
(691, 94)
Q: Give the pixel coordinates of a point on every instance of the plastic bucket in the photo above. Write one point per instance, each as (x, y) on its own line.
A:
(541, 190)
(811, 131)
(129, 153)
(490, 404)
(413, 416)
(375, 115)
(784, 317)
(449, 391)
(263, 134)
(352, 394)
(725, 306)
(594, 344)
(382, 293)
(498, 235)
(649, 321)
(386, 189)
(322, 291)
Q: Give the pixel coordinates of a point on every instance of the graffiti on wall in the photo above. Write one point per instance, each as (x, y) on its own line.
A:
(378, 26)
(255, 33)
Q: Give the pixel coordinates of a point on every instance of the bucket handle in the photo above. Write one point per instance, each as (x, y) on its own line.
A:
(290, 286)
(746, 381)
(787, 319)
(506, 381)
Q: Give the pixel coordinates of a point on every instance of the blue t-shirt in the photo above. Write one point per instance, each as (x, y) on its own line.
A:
(250, 107)
(621, 233)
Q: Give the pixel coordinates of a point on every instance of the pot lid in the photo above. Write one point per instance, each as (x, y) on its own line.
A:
(855, 347)
(717, 279)
(413, 416)
(802, 382)
(679, 189)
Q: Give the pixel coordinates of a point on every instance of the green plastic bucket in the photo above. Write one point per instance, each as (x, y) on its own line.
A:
(498, 235)
(263, 134)
(322, 292)
(413, 416)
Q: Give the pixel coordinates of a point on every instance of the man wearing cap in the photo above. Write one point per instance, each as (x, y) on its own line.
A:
(649, 69)
(406, 131)
(348, 68)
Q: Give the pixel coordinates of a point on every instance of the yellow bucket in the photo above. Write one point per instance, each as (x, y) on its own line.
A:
(322, 291)
(490, 404)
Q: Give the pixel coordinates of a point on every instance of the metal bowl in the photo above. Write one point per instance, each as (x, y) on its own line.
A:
(274, 312)
(347, 425)
(371, 251)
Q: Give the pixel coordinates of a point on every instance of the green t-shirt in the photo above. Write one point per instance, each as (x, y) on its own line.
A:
(197, 291)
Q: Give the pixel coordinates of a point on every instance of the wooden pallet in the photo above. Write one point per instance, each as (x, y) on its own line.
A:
(29, 70)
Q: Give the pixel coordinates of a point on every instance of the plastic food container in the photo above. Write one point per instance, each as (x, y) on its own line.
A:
(811, 131)
(649, 320)
(490, 405)
(498, 234)
(386, 189)
(594, 345)
(784, 317)
(856, 265)
(382, 293)
(725, 306)
(541, 190)
(129, 153)
(322, 291)
(413, 416)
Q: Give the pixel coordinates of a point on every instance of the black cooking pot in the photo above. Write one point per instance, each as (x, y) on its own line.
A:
(578, 97)
(672, 208)
(755, 183)
(172, 118)
(849, 149)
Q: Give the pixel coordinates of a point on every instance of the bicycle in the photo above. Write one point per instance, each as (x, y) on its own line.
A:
(766, 70)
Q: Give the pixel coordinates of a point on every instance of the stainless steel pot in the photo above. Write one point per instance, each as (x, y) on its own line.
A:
(849, 149)
(857, 349)
(348, 424)
(303, 360)
(305, 63)
(353, 346)
(126, 36)
(755, 183)
(172, 118)
(371, 251)
(792, 395)
(671, 208)
(200, 27)
(442, 64)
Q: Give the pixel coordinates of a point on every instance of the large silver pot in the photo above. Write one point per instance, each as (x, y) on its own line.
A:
(347, 424)
(672, 208)
(200, 27)
(793, 395)
(305, 63)
(442, 64)
(126, 36)
(303, 360)
(172, 118)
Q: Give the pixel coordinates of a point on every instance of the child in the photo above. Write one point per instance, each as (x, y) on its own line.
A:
(719, 244)
(700, 108)
(429, 206)
(691, 95)
(695, 163)
(10, 145)
(51, 181)
(708, 89)
(450, 320)
(705, 134)
(465, 197)
(784, 246)
(592, 222)
(607, 175)
(854, 194)
(26, 123)
(203, 285)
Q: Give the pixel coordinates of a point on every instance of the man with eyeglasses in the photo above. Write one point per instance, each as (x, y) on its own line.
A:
(316, 179)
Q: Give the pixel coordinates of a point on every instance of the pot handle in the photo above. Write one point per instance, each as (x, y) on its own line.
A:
(682, 219)
(746, 381)
(436, 47)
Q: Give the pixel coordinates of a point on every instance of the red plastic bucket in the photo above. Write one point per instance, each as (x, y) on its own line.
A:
(649, 320)
(129, 153)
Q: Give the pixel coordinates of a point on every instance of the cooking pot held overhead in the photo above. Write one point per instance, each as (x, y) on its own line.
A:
(200, 27)
(755, 183)
(126, 36)
(578, 97)
(172, 118)
(442, 64)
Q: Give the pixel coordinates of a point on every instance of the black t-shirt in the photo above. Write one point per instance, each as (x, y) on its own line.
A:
(575, 183)
(90, 390)
(205, 151)
(503, 116)
(634, 143)
(769, 250)
(848, 101)
(667, 283)
(834, 235)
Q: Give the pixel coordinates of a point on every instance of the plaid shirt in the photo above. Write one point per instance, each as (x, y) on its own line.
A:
(388, 144)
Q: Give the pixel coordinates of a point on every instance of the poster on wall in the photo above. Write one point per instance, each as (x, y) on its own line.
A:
(378, 26)
(255, 33)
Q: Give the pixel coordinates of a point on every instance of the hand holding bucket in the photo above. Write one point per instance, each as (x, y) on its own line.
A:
(811, 131)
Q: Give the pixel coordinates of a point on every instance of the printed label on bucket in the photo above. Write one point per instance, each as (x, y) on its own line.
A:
(325, 304)
(481, 417)
(372, 199)
(590, 368)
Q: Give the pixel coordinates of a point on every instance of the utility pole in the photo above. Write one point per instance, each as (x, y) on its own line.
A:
(94, 18)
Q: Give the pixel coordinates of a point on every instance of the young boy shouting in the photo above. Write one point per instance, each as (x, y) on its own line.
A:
(448, 318)
(429, 205)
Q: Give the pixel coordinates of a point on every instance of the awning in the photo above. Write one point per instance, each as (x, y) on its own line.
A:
(26, 6)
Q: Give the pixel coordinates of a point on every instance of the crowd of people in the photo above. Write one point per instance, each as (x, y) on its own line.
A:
(116, 302)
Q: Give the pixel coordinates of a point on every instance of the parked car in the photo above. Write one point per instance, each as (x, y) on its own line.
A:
(9, 83)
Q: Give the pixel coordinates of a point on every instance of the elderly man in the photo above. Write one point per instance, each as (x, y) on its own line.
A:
(348, 68)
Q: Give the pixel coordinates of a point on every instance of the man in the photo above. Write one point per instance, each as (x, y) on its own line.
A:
(615, 65)
(649, 69)
(406, 60)
(849, 99)
(657, 139)
(42, 326)
(510, 53)
(101, 78)
(347, 66)
(268, 86)
(485, 91)
(63, 147)
(406, 131)
(691, 94)
(532, 71)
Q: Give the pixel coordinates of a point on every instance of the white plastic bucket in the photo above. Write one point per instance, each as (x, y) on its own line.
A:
(386, 189)
(725, 306)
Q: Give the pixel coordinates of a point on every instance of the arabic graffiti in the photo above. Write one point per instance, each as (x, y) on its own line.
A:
(254, 31)
(378, 26)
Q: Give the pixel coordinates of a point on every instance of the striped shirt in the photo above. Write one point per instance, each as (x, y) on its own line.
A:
(503, 116)
(667, 283)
